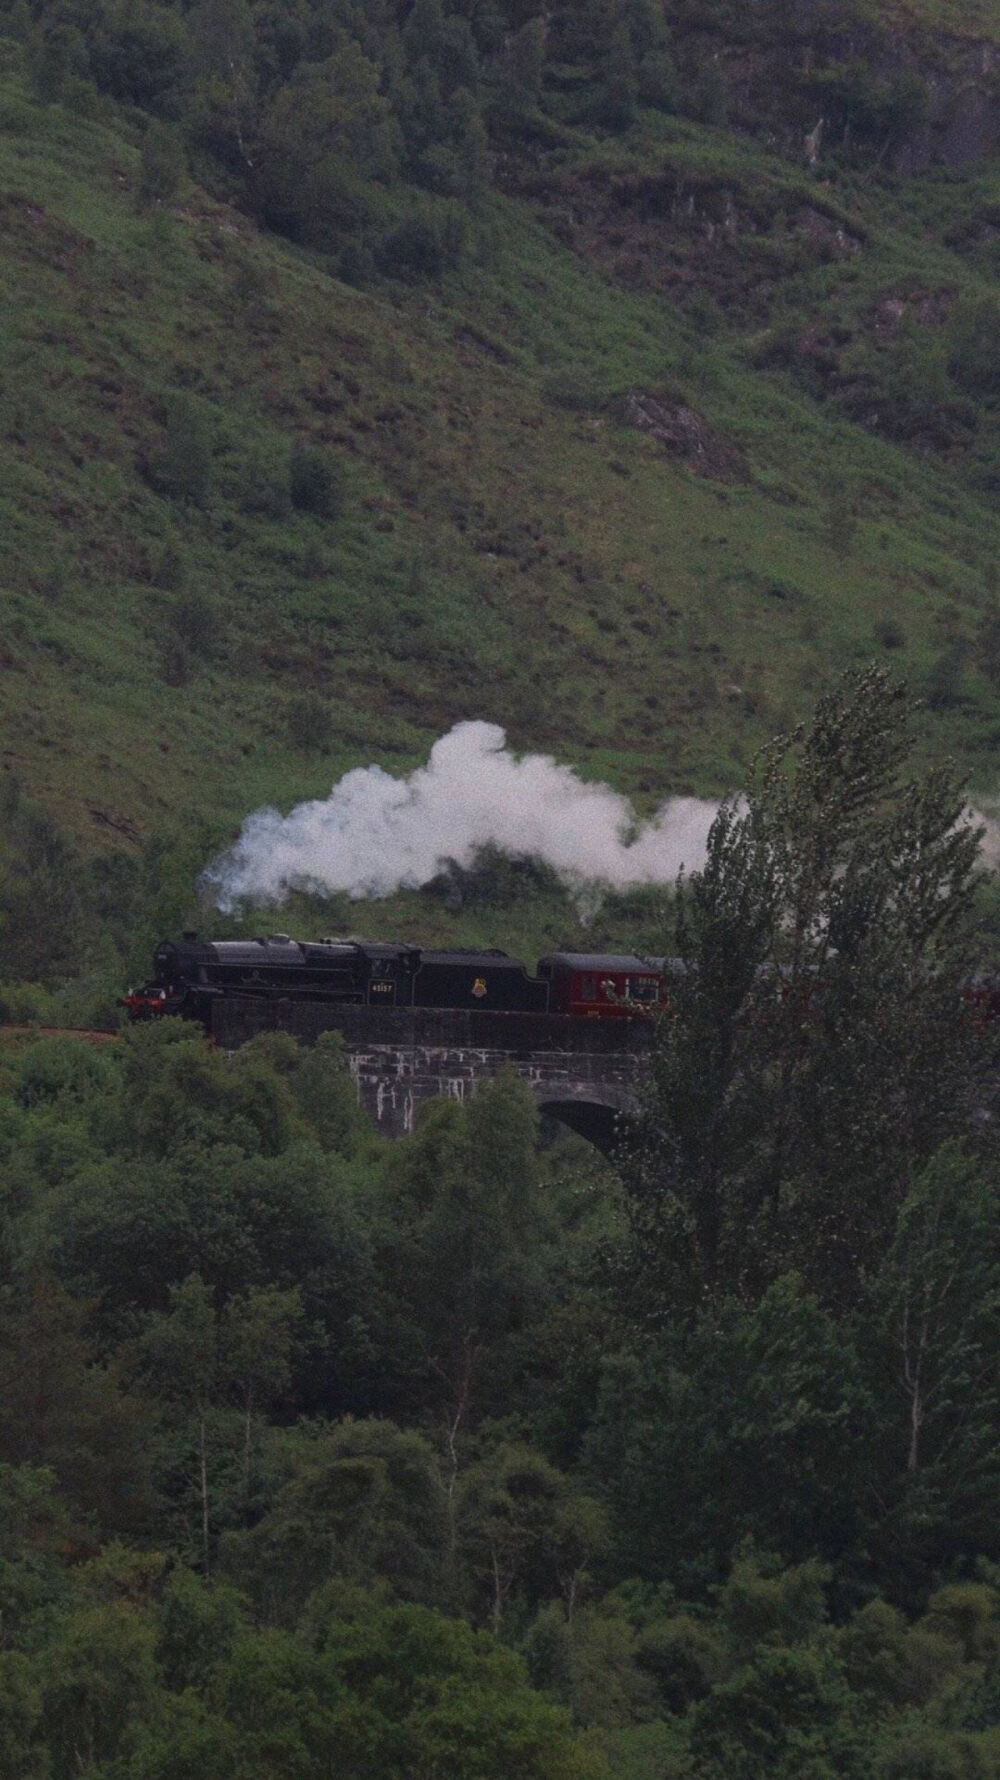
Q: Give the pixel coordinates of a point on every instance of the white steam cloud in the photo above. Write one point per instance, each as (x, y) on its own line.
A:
(375, 834)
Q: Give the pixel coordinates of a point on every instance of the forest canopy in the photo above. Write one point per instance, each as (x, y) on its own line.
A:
(473, 1454)
(372, 130)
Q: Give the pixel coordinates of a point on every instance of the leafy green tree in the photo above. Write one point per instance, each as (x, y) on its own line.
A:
(36, 1533)
(310, 723)
(389, 1691)
(190, 1737)
(519, 73)
(98, 1680)
(182, 1349)
(816, 1054)
(523, 1534)
(365, 1500)
(893, 1667)
(620, 80)
(590, 1662)
(325, 136)
(933, 1336)
(223, 113)
(763, 1604)
(940, 1288)
(138, 50)
(126, 1231)
(935, 1754)
(258, 1335)
(317, 481)
(21, 1754)
(326, 1095)
(43, 920)
(62, 1410)
(197, 1628)
(61, 1073)
(458, 166)
(695, 1428)
(178, 1090)
(786, 1714)
(451, 1701)
(181, 468)
(463, 1249)
(57, 60)
(683, 1655)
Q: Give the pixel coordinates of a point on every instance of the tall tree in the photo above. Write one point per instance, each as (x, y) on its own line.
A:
(932, 1342)
(817, 1052)
(465, 1252)
(258, 1333)
(182, 1347)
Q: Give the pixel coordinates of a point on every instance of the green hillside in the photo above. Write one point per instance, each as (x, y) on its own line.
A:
(630, 442)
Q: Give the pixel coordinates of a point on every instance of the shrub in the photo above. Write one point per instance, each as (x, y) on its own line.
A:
(161, 165)
(988, 644)
(195, 619)
(175, 661)
(973, 361)
(422, 247)
(182, 468)
(411, 250)
(316, 481)
(170, 568)
(310, 726)
(357, 262)
(944, 685)
(890, 634)
(573, 388)
(57, 58)
(261, 483)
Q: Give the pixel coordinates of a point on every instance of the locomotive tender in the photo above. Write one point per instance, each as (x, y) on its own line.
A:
(191, 975)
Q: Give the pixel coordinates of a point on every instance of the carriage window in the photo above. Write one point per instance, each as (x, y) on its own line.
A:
(641, 989)
(588, 988)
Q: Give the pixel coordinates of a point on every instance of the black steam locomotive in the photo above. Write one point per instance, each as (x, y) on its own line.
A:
(189, 976)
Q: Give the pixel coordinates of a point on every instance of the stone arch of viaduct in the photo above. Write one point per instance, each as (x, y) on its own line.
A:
(584, 1073)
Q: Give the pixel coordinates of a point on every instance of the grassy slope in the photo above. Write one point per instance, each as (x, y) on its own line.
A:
(969, 20)
(502, 554)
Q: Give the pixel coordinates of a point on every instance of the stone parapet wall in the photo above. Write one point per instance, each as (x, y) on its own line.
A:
(237, 1018)
(586, 1072)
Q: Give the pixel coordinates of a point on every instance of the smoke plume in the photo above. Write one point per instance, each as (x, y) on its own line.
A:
(375, 834)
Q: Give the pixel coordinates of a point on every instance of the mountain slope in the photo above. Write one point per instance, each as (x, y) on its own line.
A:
(620, 481)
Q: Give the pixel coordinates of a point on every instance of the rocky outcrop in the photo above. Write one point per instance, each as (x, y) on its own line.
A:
(962, 125)
(908, 99)
(684, 434)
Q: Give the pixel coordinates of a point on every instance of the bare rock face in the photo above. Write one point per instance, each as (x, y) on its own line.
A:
(829, 237)
(684, 434)
(929, 309)
(949, 82)
(963, 122)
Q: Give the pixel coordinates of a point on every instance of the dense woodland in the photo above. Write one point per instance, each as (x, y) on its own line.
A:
(474, 1455)
(316, 114)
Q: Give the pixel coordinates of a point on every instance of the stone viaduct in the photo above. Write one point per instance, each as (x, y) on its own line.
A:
(582, 1072)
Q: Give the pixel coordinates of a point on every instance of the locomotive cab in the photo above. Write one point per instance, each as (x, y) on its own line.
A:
(387, 972)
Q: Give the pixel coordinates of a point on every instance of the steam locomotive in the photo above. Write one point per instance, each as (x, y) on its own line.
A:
(191, 975)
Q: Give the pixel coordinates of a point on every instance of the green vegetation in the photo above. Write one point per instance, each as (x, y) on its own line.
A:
(471, 1455)
(366, 369)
